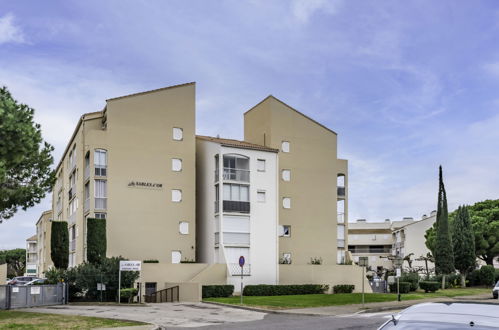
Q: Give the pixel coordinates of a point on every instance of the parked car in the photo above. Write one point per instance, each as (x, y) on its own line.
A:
(441, 316)
(37, 281)
(495, 291)
(22, 280)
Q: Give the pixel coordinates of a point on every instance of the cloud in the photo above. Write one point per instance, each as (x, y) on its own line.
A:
(303, 10)
(9, 32)
(492, 68)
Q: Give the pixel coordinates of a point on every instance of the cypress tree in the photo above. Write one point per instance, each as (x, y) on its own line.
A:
(59, 244)
(96, 240)
(463, 239)
(444, 257)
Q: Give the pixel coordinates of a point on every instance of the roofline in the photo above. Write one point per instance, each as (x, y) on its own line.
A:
(151, 91)
(415, 222)
(43, 213)
(290, 107)
(82, 119)
(225, 144)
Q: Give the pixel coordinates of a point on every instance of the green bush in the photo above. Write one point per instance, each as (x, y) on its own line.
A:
(473, 278)
(96, 240)
(487, 275)
(428, 286)
(216, 291)
(412, 278)
(151, 261)
(404, 287)
(128, 294)
(343, 288)
(451, 281)
(59, 244)
(282, 290)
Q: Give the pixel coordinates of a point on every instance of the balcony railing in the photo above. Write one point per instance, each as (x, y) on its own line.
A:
(101, 203)
(32, 260)
(235, 269)
(86, 205)
(217, 238)
(72, 218)
(236, 206)
(369, 250)
(235, 174)
(341, 218)
(72, 245)
(237, 239)
(87, 171)
(341, 243)
(217, 206)
(341, 191)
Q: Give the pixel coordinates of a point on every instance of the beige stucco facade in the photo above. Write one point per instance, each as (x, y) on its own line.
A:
(43, 233)
(308, 197)
(3, 274)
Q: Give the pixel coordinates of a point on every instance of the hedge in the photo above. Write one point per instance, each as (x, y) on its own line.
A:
(283, 290)
(128, 293)
(216, 291)
(487, 275)
(428, 286)
(151, 261)
(59, 244)
(404, 287)
(343, 288)
(96, 240)
(412, 278)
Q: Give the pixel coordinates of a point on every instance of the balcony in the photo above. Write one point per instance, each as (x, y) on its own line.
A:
(72, 218)
(217, 206)
(72, 245)
(236, 206)
(341, 218)
(234, 174)
(86, 205)
(235, 269)
(341, 243)
(237, 239)
(87, 172)
(217, 238)
(367, 249)
(341, 192)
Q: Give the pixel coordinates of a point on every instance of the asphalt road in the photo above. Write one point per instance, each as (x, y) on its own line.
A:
(291, 322)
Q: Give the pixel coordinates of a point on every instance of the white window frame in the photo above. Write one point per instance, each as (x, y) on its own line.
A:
(100, 162)
(177, 134)
(286, 175)
(100, 197)
(176, 164)
(286, 202)
(259, 194)
(285, 146)
(261, 165)
(174, 195)
(174, 256)
(183, 227)
(284, 234)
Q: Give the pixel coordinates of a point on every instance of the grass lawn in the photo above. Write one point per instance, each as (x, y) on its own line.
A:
(27, 320)
(317, 300)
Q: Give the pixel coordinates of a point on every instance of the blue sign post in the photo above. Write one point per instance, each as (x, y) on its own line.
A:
(241, 264)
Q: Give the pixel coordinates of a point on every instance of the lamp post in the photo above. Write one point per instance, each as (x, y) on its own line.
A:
(363, 264)
(398, 263)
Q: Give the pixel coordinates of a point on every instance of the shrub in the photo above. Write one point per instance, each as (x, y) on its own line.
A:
(316, 261)
(473, 278)
(428, 286)
(150, 261)
(451, 281)
(96, 240)
(282, 290)
(215, 291)
(59, 244)
(404, 287)
(128, 293)
(343, 288)
(487, 275)
(412, 278)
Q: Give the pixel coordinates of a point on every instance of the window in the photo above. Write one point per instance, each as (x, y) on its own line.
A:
(285, 231)
(260, 165)
(236, 192)
(341, 257)
(176, 257)
(286, 258)
(286, 202)
(178, 134)
(100, 162)
(176, 195)
(176, 164)
(87, 197)
(100, 215)
(260, 196)
(236, 168)
(286, 175)
(87, 165)
(285, 146)
(183, 227)
(100, 190)
(340, 235)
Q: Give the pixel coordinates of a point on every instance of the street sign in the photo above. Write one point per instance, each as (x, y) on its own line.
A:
(399, 273)
(241, 261)
(101, 287)
(126, 265)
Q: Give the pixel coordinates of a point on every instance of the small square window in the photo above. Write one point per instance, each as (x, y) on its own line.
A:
(176, 257)
(260, 165)
(178, 134)
(176, 195)
(286, 202)
(260, 196)
(176, 164)
(286, 231)
(183, 227)
(286, 258)
(285, 146)
(286, 175)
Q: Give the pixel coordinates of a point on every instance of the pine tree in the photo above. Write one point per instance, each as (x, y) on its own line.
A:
(444, 257)
(463, 240)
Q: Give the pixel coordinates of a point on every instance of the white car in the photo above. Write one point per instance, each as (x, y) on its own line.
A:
(495, 291)
(441, 316)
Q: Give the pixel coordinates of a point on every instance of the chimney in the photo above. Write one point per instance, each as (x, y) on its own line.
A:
(433, 213)
(361, 220)
(407, 219)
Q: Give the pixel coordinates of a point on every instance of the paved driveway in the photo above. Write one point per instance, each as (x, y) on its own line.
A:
(165, 315)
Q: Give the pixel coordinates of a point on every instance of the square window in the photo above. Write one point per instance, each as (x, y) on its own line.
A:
(183, 227)
(176, 164)
(285, 146)
(178, 134)
(286, 231)
(286, 258)
(260, 165)
(286, 202)
(286, 175)
(260, 196)
(176, 195)
(176, 257)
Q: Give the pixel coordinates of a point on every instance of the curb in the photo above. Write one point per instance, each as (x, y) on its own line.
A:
(261, 310)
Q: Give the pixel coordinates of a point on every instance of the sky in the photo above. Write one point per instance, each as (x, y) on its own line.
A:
(407, 85)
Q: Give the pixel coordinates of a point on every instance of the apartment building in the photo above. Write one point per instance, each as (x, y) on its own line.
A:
(313, 182)
(43, 235)
(380, 242)
(237, 208)
(133, 163)
(31, 256)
